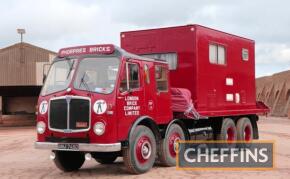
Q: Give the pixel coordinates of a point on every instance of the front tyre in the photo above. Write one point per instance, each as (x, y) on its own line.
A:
(168, 145)
(68, 161)
(140, 155)
(106, 159)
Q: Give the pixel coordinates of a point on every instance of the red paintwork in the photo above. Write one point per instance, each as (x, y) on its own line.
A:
(160, 110)
(207, 82)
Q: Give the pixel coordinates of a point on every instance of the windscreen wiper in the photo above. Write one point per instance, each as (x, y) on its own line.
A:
(83, 82)
(70, 68)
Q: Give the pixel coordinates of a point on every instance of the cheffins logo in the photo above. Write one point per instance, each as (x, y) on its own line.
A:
(195, 155)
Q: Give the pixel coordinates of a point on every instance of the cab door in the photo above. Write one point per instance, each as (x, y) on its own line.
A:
(149, 90)
(130, 96)
(163, 95)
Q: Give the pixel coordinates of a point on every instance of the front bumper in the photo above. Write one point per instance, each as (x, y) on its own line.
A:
(113, 147)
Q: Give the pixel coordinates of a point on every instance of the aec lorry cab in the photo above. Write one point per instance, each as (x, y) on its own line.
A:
(102, 101)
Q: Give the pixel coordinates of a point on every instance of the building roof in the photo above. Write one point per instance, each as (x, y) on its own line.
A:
(24, 44)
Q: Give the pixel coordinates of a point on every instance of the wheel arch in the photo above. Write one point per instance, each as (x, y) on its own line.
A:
(181, 124)
(148, 122)
(254, 119)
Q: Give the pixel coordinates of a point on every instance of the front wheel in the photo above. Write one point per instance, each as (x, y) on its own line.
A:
(106, 159)
(140, 155)
(68, 161)
(168, 145)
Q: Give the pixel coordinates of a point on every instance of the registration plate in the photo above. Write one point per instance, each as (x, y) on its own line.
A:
(73, 147)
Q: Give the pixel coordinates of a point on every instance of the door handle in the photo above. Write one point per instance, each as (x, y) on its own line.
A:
(120, 97)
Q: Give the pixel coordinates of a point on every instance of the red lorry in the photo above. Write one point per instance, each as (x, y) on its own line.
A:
(101, 102)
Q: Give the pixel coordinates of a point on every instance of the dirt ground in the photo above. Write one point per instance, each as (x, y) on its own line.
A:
(18, 158)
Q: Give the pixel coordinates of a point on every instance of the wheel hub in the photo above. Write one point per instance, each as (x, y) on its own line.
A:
(247, 133)
(230, 134)
(146, 150)
(143, 149)
(173, 143)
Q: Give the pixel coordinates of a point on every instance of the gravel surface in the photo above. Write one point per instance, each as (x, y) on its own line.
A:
(18, 158)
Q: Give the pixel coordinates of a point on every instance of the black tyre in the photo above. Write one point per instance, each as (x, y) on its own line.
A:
(140, 155)
(167, 146)
(228, 133)
(68, 161)
(106, 159)
(245, 132)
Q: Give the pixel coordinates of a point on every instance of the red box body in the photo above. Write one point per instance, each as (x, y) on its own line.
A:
(211, 94)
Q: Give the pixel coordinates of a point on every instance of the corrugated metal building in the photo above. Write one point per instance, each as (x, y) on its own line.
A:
(21, 74)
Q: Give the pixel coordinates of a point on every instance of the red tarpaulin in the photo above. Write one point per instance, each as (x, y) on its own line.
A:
(181, 99)
(182, 102)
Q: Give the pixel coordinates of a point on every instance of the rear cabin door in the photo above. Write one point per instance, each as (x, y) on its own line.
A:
(130, 97)
(149, 89)
(163, 97)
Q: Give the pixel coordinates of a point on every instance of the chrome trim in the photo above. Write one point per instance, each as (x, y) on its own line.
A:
(69, 130)
(111, 147)
(68, 99)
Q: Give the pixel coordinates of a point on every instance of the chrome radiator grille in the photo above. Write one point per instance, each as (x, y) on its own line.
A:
(69, 114)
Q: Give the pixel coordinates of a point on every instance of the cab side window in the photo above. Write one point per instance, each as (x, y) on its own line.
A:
(130, 77)
(134, 81)
(124, 85)
(161, 78)
(146, 74)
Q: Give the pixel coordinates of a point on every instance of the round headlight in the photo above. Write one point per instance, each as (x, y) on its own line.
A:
(99, 128)
(40, 127)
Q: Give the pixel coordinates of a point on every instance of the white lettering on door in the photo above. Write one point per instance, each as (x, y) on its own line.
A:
(131, 107)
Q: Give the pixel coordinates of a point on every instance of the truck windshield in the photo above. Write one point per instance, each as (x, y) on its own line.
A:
(59, 76)
(97, 74)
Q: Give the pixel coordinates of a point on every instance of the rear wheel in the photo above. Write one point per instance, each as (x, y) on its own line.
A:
(68, 161)
(228, 133)
(168, 145)
(245, 131)
(140, 155)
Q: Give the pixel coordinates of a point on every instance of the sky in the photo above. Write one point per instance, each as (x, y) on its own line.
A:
(54, 24)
